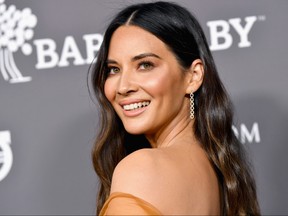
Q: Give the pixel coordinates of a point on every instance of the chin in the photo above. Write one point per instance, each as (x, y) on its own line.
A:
(134, 130)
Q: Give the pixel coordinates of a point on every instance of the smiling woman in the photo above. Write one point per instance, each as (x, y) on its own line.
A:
(143, 70)
(156, 153)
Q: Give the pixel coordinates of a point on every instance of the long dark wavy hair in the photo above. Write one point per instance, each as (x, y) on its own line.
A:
(182, 33)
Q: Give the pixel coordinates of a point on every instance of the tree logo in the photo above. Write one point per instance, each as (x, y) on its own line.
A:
(15, 29)
(6, 157)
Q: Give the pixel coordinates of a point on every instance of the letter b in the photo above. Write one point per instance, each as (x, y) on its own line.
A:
(219, 29)
(46, 54)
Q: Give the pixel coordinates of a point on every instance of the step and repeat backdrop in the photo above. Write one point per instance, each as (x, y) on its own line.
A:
(48, 121)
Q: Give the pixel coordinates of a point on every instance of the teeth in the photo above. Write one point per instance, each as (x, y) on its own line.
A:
(136, 105)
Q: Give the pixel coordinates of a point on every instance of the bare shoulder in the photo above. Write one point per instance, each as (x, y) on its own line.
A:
(135, 172)
(172, 180)
(144, 174)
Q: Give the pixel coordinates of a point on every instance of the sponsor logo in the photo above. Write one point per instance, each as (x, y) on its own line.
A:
(16, 28)
(47, 57)
(246, 135)
(220, 36)
(6, 156)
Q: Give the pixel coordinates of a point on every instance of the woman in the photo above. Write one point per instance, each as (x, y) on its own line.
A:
(165, 144)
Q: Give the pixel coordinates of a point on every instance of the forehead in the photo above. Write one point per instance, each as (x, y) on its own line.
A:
(132, 40)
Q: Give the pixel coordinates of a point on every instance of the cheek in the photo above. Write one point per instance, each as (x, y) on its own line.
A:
(109, 91)
(160, 84)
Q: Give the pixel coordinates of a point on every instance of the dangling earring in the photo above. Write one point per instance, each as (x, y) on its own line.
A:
(192, 105)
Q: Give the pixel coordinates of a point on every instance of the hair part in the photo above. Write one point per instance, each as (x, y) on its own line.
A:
(130, 18)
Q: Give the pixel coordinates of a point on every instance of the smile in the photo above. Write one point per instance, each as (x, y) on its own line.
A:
(134, 106)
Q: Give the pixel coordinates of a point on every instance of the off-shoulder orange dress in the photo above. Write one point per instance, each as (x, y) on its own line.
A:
(120, 203)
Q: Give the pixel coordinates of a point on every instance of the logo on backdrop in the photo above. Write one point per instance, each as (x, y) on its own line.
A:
(6, 156)
(246, 135)
(16, 28)
(220, 36)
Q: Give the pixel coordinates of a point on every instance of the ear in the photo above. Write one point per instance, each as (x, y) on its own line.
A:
(195, 76)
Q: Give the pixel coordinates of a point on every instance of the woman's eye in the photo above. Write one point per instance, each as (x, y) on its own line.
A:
(145, 66)
(113, 70)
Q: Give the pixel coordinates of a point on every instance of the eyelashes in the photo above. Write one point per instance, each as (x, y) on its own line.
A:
(112, 70)
(141, 66)
(146, 65)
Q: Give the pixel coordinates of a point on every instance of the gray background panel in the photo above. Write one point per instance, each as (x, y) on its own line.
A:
(52, 121)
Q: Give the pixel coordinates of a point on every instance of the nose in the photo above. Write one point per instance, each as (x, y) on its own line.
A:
(126, 84)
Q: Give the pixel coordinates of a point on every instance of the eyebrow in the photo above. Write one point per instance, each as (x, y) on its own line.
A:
(144, 55)
(135, 58)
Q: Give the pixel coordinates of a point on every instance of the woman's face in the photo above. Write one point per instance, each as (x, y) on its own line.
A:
(145, 84)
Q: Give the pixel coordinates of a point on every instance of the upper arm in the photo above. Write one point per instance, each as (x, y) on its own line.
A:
(137, 174)
(133, 171)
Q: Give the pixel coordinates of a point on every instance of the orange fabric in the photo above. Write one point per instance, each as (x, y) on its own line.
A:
(126, 204)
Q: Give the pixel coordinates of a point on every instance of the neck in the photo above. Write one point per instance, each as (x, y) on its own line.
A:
(172, 134)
